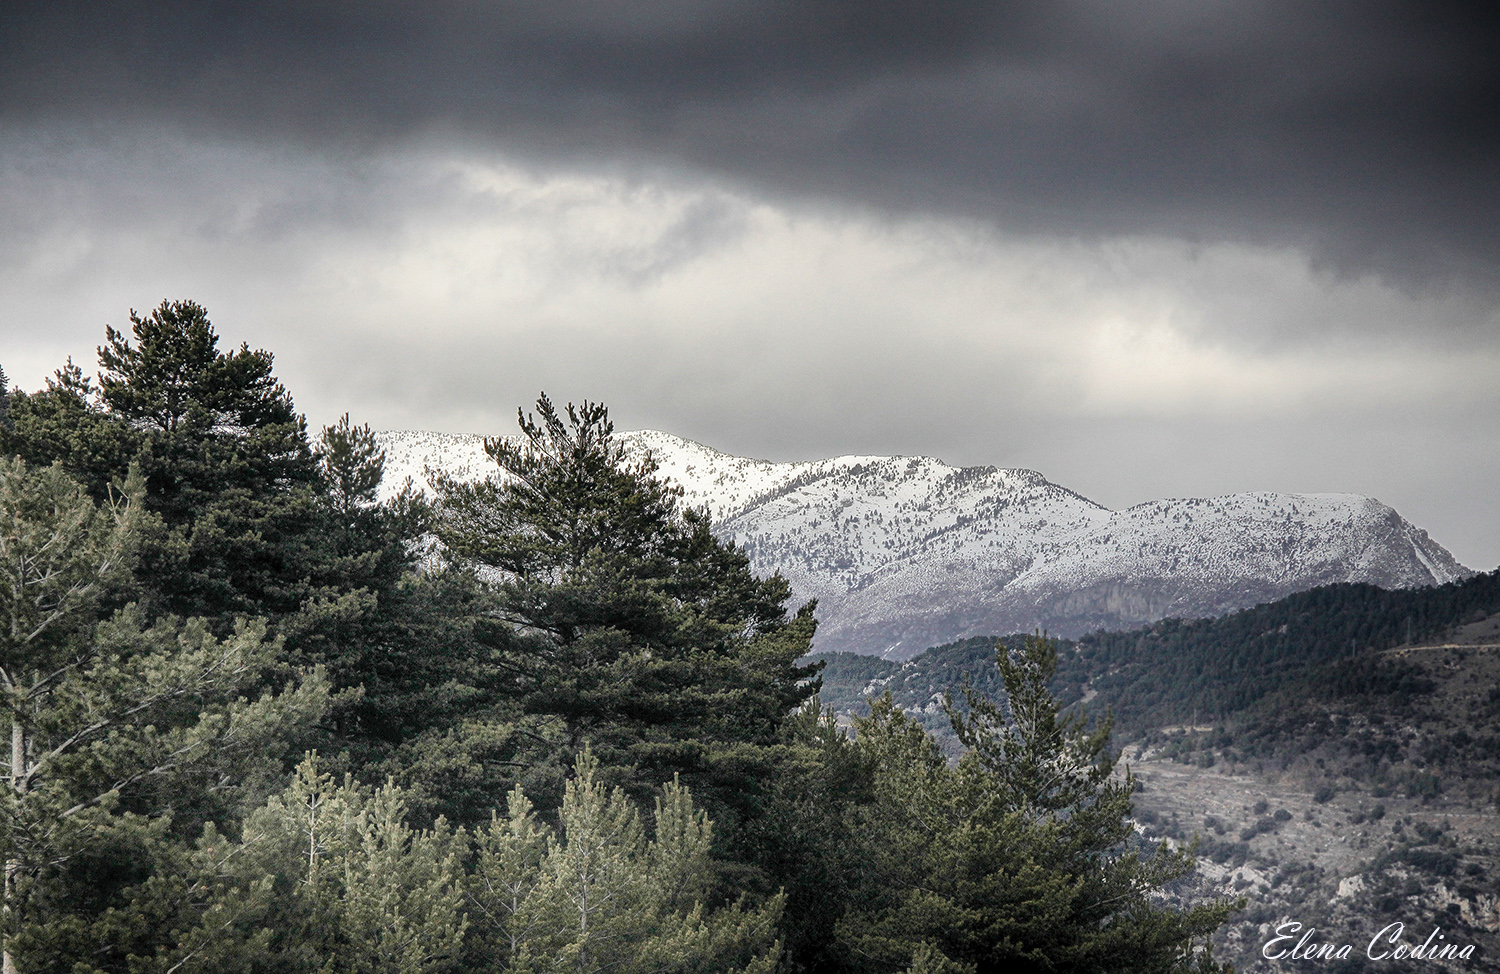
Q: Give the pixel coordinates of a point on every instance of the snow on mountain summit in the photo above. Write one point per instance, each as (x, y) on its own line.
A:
(903, 553)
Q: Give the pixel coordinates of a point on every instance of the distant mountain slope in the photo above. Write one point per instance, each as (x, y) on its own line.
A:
(907, 552)
(1335, 639)
(1336, 753)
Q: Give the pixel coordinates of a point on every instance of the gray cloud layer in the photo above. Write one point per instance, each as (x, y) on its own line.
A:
(1172, 248)
(1364, 133)
(438, 289)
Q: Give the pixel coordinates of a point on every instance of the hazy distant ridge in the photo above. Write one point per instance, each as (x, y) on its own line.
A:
(907, 552)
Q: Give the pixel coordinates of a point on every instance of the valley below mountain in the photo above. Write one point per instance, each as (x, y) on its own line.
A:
(1344, 814)
(1342, 790)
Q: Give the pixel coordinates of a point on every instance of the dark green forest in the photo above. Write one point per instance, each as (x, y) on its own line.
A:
(1326, 642)
(1325, 639)
(262, 721)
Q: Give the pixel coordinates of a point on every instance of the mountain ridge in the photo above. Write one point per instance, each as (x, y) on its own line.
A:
(904, 553)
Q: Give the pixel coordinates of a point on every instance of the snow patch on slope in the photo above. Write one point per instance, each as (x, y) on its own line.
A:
(908, 552)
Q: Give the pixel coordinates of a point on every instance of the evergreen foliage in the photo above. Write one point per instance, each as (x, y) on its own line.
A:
(230, 479)
(226, 460)
(629, 624)
(1322, 642)
(365, 892)
(58, 551)
(377, 625)
(578, 738)
(1312, 641)
(805, 838)
(118, 727)
(65, 423)
(600, 895)
(239, 516)
(1018, 857)
(352, 465)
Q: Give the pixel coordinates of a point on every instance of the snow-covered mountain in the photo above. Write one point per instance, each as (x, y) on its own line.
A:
(904, 553)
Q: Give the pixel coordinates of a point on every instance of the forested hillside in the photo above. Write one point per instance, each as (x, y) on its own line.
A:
(1335, 753)
(1325, 641)
(264, 721)
(1176, 671)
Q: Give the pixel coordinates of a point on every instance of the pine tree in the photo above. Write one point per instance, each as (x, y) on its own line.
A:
(227, 464)
(239, 517)
(231, 482)
(207, 415)
(365, 892)
(601, 895)
(626, 620)
(352, 465)
(1019, 857)
(117, 726)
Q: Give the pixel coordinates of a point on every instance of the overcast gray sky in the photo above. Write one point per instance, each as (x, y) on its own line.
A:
(1149, 249)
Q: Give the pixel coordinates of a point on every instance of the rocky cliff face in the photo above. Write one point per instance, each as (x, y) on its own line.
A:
(904, 553)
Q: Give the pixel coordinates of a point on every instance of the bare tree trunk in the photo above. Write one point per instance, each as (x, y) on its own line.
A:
(13, 865)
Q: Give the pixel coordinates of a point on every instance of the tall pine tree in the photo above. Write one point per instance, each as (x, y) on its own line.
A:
(1019, 858)
(626, 623)
(228, 467)
(231, 482)
(121, 730)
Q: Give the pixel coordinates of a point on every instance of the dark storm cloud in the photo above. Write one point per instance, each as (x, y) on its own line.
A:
(1366, 134)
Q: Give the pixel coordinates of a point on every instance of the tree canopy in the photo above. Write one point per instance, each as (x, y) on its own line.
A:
(1020, 856)
(117, 726)
(626, 621)
(263, 720)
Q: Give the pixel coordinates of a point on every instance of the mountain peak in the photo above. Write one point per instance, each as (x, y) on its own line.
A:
(908, 552)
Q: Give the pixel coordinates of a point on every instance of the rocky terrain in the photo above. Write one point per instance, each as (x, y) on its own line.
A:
(904, 553)
(1342, 810)
(1348, 815)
